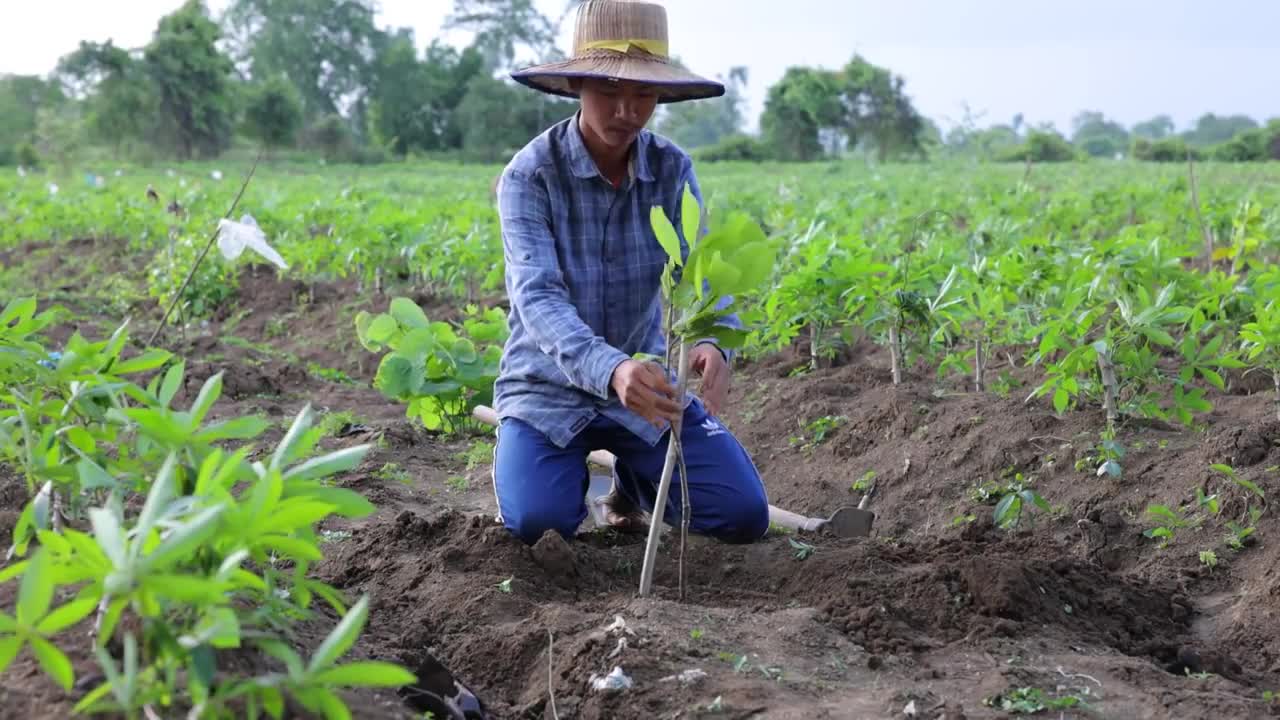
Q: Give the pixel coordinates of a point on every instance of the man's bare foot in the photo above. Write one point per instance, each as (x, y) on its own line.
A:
(621, 514)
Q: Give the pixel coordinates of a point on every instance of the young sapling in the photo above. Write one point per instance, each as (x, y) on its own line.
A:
(731, 259)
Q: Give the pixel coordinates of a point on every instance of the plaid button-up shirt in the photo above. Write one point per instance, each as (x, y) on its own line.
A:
(583, 277)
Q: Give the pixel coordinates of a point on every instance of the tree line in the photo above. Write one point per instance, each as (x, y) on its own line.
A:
(319, 76)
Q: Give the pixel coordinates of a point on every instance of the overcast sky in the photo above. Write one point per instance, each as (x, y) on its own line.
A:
(1131, 59)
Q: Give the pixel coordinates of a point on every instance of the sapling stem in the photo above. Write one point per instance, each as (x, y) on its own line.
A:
(895, 353)
(1275, 378)
(664, 485)
(684, 510)
(1109, 387)
(978, 364)
(1195, 204)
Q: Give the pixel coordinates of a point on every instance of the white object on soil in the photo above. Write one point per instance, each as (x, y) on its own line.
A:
(613, 682)
(234, 237)
(688, 677)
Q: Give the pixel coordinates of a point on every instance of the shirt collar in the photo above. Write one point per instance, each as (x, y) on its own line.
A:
(584, 167)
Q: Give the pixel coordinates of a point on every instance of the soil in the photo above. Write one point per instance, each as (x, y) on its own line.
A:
(936, 615)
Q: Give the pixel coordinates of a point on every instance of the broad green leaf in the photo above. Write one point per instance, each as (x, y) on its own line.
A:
(183, 540)
(81, 439)
(187, 588)
(341, 638)
(241, 428)
(398, 377)
(159, 426)
(67, 615)
(18, 310)
(1007, 510)
(331, 706)
(92, 476)
(346, 502)
(724, 278)
(336, 462)
(149, 360)
(272, 702)
(690, 216)
(367, 673)
(210, 391)
(162, 489)
(1060, 400)
(295, 513)
(9, 649)
(285, 654)
(12, 572)
(36, 590)
(1212, 377)
(408, 314)
(292, 547)
(666, 234)
(382, 328)
(172, 383)
(54, 662)
(284, 451)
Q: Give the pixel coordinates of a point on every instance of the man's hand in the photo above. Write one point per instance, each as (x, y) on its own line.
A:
(707, 360)
(643, 388)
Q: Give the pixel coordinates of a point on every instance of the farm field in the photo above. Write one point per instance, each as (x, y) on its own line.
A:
(1065, 400)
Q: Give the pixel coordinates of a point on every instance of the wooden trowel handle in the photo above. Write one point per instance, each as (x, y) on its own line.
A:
(792, 521)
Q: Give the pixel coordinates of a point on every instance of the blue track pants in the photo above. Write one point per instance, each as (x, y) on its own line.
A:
(540, 486)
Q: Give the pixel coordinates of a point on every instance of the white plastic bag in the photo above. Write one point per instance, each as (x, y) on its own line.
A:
(234, 237)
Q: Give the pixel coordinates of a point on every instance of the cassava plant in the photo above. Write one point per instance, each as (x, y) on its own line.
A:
(1261, 340)
(703, 276)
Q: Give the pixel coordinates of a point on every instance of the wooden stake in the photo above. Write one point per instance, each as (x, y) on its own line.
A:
(1195, 205)
(1109, 386)
(664, 485)
(895, 353)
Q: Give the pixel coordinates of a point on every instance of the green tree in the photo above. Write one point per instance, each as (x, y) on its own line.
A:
(192, 82)
(811, 112)
(1211, 129)
(327, 48)
(1099, 137)
(414, 102)
(798, 109)
(503, 27)
(499, 117)
(273, 112)
(119, 97)
(705, 123)
(880, 116)
(1157, 128)
(21, 98)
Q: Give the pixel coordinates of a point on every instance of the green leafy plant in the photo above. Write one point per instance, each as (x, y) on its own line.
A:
(179, 545)
(1261, 341)
(441, 371)
(731, 259)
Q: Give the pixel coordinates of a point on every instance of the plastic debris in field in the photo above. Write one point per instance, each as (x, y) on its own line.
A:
(234, 237)
(216, 174)
(688, 677)
(53, 188)
(615, 681)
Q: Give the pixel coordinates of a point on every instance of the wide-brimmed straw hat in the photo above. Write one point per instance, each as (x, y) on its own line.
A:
(621, 40)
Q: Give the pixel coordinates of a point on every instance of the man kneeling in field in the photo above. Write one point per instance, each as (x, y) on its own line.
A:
(583, 271)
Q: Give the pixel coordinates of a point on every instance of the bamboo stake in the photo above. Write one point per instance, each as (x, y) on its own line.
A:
(1195, 204)
(213, 236)
(664, 485)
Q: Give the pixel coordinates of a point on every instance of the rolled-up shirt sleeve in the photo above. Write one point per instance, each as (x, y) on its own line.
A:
(537, 290)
